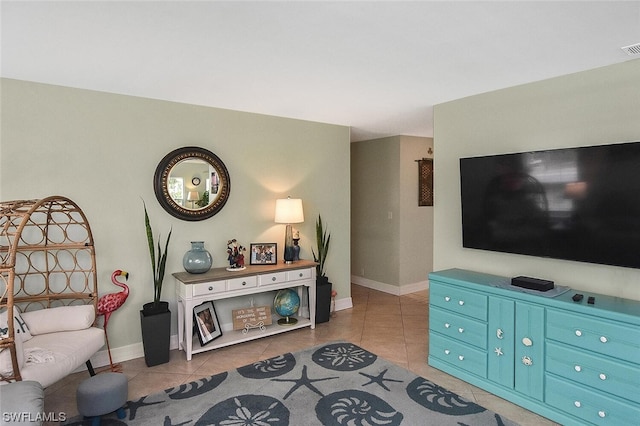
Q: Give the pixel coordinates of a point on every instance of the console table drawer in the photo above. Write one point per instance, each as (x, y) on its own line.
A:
(587, 405)
(209, 288)
(596, 334)
(458, 300)
(458, 327)
(300, 274)
(458, 354)
(602, 373)
(240, 283)
(274, 278)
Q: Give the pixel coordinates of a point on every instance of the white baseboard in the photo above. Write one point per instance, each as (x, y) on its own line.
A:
(124, 353)
(345, 303)
(388, 288)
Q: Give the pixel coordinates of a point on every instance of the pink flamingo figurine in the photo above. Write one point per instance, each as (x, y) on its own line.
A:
(108, 303)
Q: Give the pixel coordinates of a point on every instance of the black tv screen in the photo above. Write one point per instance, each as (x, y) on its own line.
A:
(579, 204)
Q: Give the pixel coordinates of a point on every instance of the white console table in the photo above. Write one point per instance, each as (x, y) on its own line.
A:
(218, 283)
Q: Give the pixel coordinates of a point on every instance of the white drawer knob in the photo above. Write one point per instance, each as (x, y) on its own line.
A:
(603, 339)
(447, 325)
(577, 404)
(447, 298)
(577, 368)
(603, 376)
(527, 360)
(461, 302)
(461, 330)
(447, 351)
(602, 414)
(461, 358)
(578, 333)
(526, 341)
(499, 333)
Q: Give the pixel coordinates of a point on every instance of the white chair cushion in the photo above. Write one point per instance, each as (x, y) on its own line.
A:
(62, 318)
(6, 365)
(70, 350)
(21, 328)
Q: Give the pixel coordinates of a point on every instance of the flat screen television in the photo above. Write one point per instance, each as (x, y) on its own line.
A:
(579, 204)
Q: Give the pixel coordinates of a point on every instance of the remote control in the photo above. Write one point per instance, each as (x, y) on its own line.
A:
(577, 297)
(591, 300)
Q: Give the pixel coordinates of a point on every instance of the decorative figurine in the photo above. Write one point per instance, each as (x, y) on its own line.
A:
(236, 255)
(296, 247)
(108, 303)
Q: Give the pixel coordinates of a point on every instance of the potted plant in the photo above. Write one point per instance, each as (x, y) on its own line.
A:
(323, 286)
(155, 317)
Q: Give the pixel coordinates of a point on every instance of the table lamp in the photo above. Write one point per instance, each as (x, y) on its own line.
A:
(193, 196)
(289, 210)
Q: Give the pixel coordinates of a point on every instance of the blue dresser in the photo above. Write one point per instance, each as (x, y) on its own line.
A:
(572, 362)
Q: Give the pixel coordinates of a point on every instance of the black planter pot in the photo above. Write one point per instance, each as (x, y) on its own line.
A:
(156, 332)
(323, 299)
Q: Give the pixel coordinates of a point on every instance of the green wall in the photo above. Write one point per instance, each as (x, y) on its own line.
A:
(594, 107)
(101, 150)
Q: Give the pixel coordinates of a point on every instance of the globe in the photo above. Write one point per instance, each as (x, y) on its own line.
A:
(286, 303)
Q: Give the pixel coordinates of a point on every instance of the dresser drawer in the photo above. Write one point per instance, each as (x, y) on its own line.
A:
(458, 300)
(596, 334)
(458, 354)
(467, 330)
(299, 274)
(599, 372)
(590, 406)
(208, 288)
(241, 282)
(275, 278)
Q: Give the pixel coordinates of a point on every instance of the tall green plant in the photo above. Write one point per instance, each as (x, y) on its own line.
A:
(323, 238)
(156, 266)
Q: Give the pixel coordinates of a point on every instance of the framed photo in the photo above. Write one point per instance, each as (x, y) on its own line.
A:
(264, 254)
(206, 323)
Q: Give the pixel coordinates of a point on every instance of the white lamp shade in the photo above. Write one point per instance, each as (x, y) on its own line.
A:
(289, 210)
(193, 196)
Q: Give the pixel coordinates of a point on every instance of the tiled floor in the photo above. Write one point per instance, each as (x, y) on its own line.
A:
(392, 327)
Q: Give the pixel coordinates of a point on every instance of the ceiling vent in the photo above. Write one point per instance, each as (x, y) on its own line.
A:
(632, 50)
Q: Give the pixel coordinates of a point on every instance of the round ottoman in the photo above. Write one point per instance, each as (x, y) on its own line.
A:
(102, 394)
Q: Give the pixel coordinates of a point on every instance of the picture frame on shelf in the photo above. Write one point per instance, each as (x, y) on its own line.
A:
(264, 254)
(206, 323)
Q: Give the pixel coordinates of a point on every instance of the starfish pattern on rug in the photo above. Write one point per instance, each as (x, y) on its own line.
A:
(304, 380)
(380, 379)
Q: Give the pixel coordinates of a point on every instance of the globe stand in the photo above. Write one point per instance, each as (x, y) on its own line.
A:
(287, 321)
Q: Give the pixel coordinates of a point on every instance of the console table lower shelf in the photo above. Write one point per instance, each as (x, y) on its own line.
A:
(232, 337)
(217, 284)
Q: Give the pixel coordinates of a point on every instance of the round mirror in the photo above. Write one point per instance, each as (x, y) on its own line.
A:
(191, 183)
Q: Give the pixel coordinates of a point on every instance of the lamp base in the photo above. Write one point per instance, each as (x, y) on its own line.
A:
(288, 245)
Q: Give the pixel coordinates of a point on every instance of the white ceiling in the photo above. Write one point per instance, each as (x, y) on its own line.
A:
(378, 67)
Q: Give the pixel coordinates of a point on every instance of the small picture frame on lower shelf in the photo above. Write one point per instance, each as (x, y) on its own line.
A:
(206, 323)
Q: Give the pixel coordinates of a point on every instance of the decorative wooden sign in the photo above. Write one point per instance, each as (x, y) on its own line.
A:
(425, 182)
(254, 317)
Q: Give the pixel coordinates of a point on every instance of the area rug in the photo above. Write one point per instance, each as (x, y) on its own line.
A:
(337, 383)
